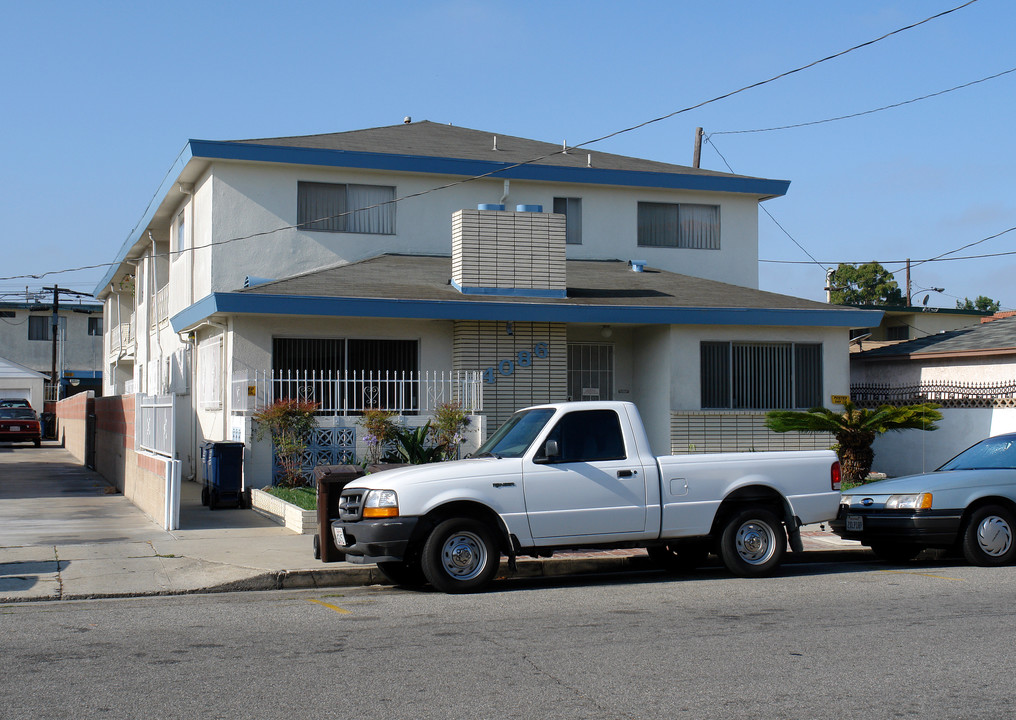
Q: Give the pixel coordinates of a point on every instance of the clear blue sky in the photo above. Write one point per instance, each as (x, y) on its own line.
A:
(100, 97)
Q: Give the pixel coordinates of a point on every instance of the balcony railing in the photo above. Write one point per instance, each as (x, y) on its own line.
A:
(162, 304)
(121, 339)
(403, 393)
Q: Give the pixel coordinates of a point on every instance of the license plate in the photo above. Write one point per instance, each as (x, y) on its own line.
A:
(855, 523)
(340, 536)
(15, 428)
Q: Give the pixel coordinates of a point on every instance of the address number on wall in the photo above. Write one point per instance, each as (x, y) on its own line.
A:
(522, 359)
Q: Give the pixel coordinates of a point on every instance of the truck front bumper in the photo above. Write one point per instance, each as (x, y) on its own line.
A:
(374, 541)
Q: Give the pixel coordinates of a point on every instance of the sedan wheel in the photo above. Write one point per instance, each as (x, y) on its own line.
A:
(988, 536)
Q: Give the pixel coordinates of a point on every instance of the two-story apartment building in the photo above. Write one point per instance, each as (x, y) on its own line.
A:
(551, 273)
(26, 338)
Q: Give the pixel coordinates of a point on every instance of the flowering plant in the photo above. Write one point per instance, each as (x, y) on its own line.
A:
(379, 430)
(448, 429)
(288, 422)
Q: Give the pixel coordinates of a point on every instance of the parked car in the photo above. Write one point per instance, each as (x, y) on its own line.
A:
(19, 424)
(968, 504)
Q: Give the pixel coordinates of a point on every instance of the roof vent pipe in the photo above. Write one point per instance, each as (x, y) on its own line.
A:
(589, 160)
(495, 143)
(637, 265)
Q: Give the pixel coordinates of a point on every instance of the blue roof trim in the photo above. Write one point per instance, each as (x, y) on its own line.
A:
(171, 178)
(255, 304)
(457, 166)
(510, 292)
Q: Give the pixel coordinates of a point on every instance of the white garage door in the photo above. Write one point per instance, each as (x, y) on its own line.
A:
(19, 393)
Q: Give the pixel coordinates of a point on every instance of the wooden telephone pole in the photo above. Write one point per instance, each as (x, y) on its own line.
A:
(54, 378)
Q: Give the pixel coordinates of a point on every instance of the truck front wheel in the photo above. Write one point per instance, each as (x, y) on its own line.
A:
(753, 543)
(460, 555)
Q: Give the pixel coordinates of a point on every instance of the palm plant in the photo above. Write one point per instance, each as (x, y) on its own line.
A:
(855, 429)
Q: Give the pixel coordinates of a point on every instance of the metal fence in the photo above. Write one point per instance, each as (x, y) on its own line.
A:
(942, 392)
(155, 424)
(404, 393)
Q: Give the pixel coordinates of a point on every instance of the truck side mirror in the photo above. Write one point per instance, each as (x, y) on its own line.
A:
(551, 451)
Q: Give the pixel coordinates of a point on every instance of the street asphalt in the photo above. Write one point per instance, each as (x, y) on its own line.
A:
(66, 533)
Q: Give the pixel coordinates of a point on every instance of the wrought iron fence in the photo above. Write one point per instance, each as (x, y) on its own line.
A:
(404, 393)
(942, 392)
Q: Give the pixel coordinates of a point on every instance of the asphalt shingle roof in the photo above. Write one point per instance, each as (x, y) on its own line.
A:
(430, 139)
(590, 282)
(995, 336)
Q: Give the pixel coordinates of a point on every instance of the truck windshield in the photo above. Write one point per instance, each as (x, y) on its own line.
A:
(512, 439)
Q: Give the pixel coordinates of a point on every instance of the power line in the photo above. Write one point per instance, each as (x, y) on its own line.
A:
(519, 164)
(865, 112)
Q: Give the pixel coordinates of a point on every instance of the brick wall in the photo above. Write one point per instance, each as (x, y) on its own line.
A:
(72, 424)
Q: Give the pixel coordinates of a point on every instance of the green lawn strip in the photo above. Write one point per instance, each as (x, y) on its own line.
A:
(305, 498)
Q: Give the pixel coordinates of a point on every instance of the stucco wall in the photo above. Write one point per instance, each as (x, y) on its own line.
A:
(248, 198)
(917, 451)
(979, 369)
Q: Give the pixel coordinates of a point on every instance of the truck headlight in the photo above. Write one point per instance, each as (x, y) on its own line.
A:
(919, 501)
(381, 504)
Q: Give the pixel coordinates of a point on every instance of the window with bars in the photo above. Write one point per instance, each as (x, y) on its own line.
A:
(760, 376)
(590, 371)
(571, 208)
(373, 373)
(681, 225)
(332, 207)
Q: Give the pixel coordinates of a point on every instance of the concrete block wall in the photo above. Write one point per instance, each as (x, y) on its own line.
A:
(140, 477)
(72, 424)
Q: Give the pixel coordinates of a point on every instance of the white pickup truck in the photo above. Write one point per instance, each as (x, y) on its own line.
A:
(581, 475)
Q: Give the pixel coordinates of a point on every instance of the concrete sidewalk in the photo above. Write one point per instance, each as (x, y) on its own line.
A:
(65, 534)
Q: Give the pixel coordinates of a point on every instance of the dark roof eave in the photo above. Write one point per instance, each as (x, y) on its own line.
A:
(427, 164)
(248, 303)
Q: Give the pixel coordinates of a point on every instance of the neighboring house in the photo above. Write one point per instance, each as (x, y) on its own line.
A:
(295, 266)
(26, 337)
(21, 383)
(971, 372)
(908, 323)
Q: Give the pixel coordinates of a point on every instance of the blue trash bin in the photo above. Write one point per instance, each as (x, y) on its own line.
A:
(223, 471)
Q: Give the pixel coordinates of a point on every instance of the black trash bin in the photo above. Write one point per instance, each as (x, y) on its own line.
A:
(223, 470)
(48, 420)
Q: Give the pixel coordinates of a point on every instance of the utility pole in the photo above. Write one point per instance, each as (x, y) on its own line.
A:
(697, 156)
(908, 283)
(54, 378)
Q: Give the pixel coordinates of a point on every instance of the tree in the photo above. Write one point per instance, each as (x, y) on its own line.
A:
(867, 284)
(982, 303)
(855, 429)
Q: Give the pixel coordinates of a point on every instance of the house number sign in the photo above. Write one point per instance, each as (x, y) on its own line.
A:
(522, 359)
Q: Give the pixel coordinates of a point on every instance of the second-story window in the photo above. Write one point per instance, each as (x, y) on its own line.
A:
(332, 207)
(683, 225)
(571, 208)
(40, 327)
(95, 326)
(181, 232)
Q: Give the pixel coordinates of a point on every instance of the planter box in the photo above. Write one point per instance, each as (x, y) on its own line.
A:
(294, 518)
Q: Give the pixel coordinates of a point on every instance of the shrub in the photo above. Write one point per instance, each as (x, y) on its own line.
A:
(288, 422)
(450, 422)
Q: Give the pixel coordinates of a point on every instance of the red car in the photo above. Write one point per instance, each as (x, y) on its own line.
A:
(19, 424)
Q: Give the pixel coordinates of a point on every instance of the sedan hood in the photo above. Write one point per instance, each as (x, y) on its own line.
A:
(925, 482)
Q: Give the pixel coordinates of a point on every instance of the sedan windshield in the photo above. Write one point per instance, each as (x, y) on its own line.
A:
(993, 453)
(516, 435)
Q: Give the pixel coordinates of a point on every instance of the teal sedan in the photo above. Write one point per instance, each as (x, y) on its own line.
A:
(968, 504)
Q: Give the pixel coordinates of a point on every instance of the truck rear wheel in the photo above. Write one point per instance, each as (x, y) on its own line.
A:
(460, 555)
(753, 543)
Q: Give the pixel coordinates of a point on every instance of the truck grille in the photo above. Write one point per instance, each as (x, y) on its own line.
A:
(351, 505)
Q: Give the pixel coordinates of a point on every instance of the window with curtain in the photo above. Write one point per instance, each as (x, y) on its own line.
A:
(40, 327)
(683, 225)
(332, 207)
(571, 208)
(760, 376)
